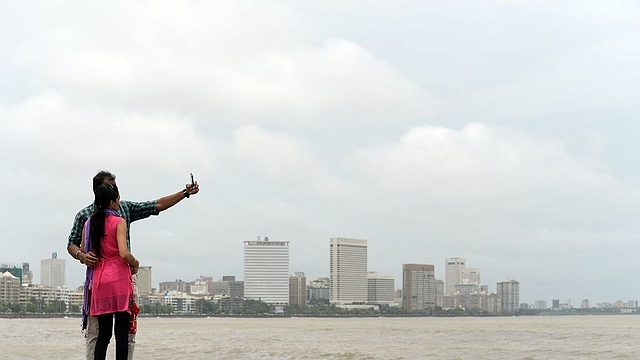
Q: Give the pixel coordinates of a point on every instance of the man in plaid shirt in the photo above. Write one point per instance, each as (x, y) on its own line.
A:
(130, 211)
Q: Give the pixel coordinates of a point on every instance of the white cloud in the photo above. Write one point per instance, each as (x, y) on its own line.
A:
(492, 175)
(215, 66)
(48, 130)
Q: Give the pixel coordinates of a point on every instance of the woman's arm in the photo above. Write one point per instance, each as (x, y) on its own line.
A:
(88, 258)
(81, 246)
(121, 236)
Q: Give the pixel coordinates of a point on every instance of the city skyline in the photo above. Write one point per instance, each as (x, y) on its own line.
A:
(282, 261)
(503, 133)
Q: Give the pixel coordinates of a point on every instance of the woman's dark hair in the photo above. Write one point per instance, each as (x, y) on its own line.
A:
(105, 193)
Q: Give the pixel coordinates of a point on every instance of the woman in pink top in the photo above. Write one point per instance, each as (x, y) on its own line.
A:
(111, 285)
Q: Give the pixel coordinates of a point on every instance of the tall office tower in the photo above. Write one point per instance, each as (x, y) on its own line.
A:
(509, 293)
(144, 280)
(418, 286)
(380, 289)
(348, 271)
(453, 274)
(52, 271)
(298, 289)
(585, 304)
(470, 276)
(266, 271)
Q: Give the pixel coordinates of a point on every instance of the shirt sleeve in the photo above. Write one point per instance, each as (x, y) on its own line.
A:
(75, 237)
(142, 210)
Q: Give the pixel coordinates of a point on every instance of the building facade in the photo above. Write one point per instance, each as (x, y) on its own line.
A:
(177, 285)
(470, 276)
(418, 286)
(348, 271)
(298, 289)
(228, 286)
(509, 293)
(266, 271)
(52, 271)
(144, 280)
(318, 290)
(9, 288)
(380, 289)
(453, 274)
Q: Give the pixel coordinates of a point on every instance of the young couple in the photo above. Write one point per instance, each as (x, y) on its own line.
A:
(100, 239)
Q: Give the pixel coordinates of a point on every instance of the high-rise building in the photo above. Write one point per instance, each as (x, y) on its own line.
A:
(348, 271)
(418, 286)
(298, 289)
(266, 271)
(453, 274)
(144, 280)
(380, 289)
(52, 273)
(470, 276)
(509, 293)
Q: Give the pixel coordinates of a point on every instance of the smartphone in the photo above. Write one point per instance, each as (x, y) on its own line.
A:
(192, 182)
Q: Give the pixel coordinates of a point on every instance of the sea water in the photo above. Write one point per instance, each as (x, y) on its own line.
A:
(525, 337)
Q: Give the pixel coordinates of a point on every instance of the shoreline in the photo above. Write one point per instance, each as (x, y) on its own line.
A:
(281, 316)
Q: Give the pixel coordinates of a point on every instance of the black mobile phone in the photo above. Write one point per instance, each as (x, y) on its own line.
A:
(192, 182)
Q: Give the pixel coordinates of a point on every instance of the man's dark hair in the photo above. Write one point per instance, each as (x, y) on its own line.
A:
(101, 177)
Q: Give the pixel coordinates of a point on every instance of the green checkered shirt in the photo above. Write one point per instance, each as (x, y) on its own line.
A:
(129, 210)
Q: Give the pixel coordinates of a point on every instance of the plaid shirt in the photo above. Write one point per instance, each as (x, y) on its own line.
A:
(129, 210)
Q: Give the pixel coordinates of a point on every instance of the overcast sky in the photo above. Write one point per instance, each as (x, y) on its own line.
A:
(502, 132)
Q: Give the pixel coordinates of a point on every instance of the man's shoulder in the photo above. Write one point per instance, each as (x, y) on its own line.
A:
(85, 212)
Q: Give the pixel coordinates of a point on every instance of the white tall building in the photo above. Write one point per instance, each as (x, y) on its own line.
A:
(52, 272)
(348, 271)
(266, 271)
(453, 274)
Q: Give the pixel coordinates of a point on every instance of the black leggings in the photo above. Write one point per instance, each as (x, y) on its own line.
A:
(105, 323)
